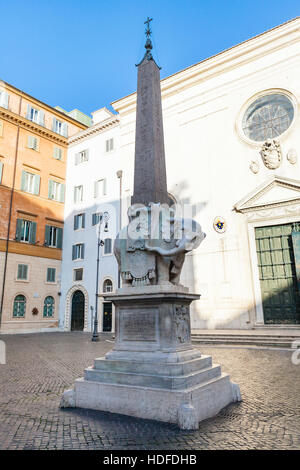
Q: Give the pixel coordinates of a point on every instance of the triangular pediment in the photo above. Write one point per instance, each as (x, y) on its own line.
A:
(275, 191)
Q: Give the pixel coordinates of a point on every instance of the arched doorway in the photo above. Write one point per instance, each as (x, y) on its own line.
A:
(77, 317)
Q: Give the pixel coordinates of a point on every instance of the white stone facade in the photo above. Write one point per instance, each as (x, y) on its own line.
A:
(212, 165)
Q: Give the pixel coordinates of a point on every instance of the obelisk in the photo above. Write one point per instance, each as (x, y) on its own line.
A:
(153, 370)
(150, 181)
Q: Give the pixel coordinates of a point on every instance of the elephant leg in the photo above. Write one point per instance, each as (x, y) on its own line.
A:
(163, 270)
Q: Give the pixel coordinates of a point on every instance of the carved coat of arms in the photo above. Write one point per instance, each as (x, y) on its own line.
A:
(271, 154)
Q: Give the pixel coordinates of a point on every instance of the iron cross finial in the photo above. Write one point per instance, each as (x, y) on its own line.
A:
(148, 30)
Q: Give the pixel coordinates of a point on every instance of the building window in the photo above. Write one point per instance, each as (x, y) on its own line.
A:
(268, 117)
(100, 188)
(56, 191)
(96, 217)
(22, 272)
(19, 306)
(33, 143)
(30, 182)
(79, 221)
(48, 307)
(57, 153)
(109, 145)
(35, 115)
(51, 273)
(78, 274)
(78, 251)
(60, 127)
(107, 246)
(53, 236)
(78, 194)
(26, 231)
(4, 99)
(81, 157)
(107, 285)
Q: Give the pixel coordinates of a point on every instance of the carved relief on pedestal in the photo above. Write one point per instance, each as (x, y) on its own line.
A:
(182, 324)
(271, 154)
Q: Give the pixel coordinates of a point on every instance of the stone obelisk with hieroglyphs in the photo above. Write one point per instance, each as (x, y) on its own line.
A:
(153, 370)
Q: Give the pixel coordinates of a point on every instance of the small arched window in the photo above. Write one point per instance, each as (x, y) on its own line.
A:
(48, 307)
(19, 306)
(107, 285)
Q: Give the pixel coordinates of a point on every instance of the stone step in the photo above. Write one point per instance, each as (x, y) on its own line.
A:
(157, 368)
(154, 381)
(285, 342)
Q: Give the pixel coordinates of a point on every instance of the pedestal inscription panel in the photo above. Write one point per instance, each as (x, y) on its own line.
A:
(139, 325)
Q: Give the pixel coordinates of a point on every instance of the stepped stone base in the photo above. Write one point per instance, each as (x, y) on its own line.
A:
(153, 371)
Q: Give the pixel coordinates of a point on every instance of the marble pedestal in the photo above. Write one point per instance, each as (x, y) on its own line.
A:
(153, 371)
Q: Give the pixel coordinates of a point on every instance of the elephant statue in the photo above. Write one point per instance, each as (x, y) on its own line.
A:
(147, 259)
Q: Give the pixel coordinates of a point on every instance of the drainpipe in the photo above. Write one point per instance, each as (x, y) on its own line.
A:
(9, 214)
(119, 175)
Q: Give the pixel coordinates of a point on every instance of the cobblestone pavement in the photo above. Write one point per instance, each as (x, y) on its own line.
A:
(41, 366)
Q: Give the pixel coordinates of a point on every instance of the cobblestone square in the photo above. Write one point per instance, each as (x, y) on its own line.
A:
(39, 367)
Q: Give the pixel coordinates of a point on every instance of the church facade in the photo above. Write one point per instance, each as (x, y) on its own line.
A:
(231, 127)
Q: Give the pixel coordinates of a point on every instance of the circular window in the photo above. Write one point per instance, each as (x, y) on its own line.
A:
(268, 117)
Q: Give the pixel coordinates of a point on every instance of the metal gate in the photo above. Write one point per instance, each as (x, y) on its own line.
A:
(107, 316)
(277, 274)
(77, 319)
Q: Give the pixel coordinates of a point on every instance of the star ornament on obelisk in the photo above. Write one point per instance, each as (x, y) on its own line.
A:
(153, 370)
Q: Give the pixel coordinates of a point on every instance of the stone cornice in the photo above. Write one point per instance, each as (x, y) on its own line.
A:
(32, 126)
(238, 55)
(94, 130)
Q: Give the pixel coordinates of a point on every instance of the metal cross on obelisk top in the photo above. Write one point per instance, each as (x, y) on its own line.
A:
(148, 30)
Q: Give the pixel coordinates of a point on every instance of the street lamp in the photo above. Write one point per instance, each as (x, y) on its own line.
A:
(102, 217)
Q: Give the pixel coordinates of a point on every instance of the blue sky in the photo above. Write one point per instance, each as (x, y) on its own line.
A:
(82, 53)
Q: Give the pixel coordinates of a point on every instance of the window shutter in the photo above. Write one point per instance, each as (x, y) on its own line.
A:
(4, 99)
(59, 238)
(74, 252)
(93, 219)
(64, 129)
(50, 189)
(62, 193)
(83, 220)
(86, 154)
(37, 180)
(32, 233)
(54, 124)
(104, 186)
(41, 117)
(25, 271)
(82, 251)
(1, 169)
(23, 181)
(30, 142)
(77, 158)
(47, 235)
(19, 229)
(28, 115)
(107, 145)
(75, 222)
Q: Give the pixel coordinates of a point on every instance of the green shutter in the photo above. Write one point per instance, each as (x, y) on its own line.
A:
(19, 229)
(23, 181)
(59, 238)
(47, 235)
(32, 234)
(1, 169)
(37, 180)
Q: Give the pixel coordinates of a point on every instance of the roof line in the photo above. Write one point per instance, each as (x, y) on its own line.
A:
(215, 55)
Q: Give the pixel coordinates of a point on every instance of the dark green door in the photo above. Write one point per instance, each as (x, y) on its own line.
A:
(277, 273)
(77, 319)
(107, 316)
